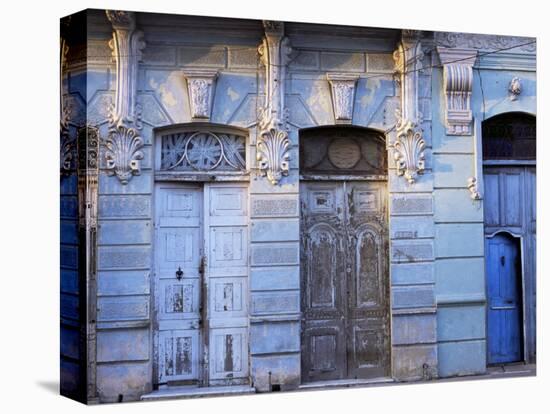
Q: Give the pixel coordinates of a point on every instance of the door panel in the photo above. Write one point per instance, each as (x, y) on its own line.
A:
(227, 280)
(368, 320)
(511, 190)
(344, 280)
(492, 199)
(504, 319)
(179, 355)
(178, 249)
(323, 287)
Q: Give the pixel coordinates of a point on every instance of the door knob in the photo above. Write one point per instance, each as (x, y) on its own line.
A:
(179, 273)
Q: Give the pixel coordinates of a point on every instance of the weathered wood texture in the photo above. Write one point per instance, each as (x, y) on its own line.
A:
(345, 326)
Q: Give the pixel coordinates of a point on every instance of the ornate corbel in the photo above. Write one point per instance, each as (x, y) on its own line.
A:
(472, 187)
(124, 143)
(514, 88)
(457, 80)
(409, 145)
(343, 92)
(200, 87)
(273, 144)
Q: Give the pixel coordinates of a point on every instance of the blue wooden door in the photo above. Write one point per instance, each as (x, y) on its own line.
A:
(504, 299)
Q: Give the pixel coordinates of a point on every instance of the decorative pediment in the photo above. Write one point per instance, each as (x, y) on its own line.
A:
(343, 93)
(457, 82)
(200, 87)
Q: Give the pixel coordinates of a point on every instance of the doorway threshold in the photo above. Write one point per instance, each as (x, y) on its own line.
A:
(345, 383)
(193, 391)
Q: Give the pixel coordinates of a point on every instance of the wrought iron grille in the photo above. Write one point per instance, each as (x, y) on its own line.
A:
(203, 151)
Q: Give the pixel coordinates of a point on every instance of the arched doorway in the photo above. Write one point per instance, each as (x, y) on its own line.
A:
(509, 171)
(344, 254)
(504, 311)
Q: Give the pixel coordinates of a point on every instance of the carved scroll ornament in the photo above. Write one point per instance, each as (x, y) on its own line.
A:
(514, 88)
(472, 187)
(457, 81)
(409, 152)
(124, 144)
(124, 151)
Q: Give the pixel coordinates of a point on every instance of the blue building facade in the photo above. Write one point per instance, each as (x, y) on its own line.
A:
(253, 206)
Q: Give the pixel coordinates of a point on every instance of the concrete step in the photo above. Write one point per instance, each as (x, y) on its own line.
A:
(192, 391)
(345, 383)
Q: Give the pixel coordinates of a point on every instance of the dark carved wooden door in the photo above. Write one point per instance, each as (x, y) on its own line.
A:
(344, 280)
(367, 287)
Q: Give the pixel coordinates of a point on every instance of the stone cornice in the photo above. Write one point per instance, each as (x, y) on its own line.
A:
(484, 42)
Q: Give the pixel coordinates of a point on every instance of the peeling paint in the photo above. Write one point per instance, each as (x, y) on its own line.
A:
(233, 95)
(370, 92)
(163, 89)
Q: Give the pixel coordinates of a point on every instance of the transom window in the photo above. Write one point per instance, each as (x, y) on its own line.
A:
(201, 148)
(342, 151)
(510, 136)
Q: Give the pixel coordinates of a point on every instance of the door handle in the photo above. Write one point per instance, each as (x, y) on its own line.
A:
(179, 273)
(502, 260)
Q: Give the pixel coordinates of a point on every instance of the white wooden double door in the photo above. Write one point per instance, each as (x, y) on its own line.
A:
(201, 283)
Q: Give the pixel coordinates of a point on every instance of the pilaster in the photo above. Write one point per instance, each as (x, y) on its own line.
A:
(273, 144)
(124, 143)
(413, 307)
(409, 145)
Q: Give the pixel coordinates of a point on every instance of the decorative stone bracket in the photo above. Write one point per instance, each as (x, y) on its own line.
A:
(273, 144)
(343, 93)
(472, 188)
(514, 88)
(409, 145)
(457, 81)
(124, 144)
(200, 86)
